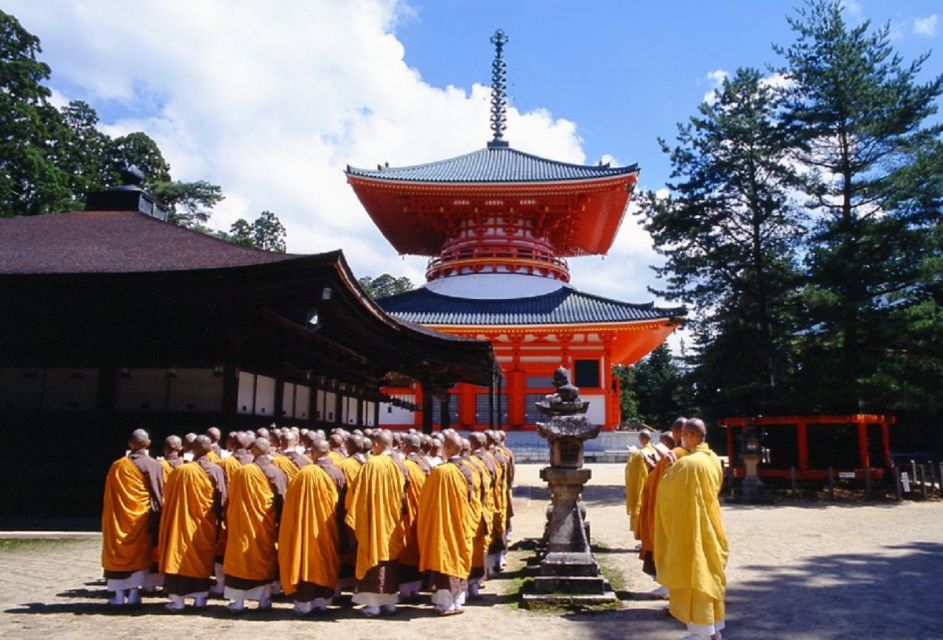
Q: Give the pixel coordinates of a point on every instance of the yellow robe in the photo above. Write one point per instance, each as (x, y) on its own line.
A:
(646, 522)
(335, 458)
(375, 513)
(308, 536)
(482, 539)
(635, 473)
(499, 495)
(213, 457)
(250, 520)
(690, 544)
(188, 523)
(229, 466)
(446, 525)
(126, 508)
(284, 463)
(410, 554)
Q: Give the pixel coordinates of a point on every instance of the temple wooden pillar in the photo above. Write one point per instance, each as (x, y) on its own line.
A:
(802, 442)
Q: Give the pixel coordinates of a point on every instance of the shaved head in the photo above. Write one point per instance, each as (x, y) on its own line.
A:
(139, 440)
(477, 440)
(214, 433)
(201, 446)
(173, 443)
(261, 447)
(320, 448)
(696, 424)
(453, 444)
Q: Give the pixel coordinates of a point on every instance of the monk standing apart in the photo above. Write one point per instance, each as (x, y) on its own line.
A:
(690, 544)
(255, 500)
(375, 510)
(190, 522)
(130, 520)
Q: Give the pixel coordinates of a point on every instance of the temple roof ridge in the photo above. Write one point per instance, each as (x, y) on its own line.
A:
(566, 305)
(493, 164)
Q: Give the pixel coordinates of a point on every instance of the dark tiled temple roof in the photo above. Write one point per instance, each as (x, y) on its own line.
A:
(493, 164)
(563, 306)
(114, 242)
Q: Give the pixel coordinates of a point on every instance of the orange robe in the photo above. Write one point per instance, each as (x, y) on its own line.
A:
(375, 513)
(647, 510)
(636, 471)
(409, 557)
(500, 496)
(250, 519)
(446, 525)
(308, 536)
(284, 463)
(229, 466)
(482, 538)
(188, 523)
(126, 513)
(350, 467)
(335, 458)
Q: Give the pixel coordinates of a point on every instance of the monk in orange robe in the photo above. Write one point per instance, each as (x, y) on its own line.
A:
(237, 445)
(134, 491)
(410, 579)
(357, 449)
(337, 443)
(308, 540)
(255, 499)
(446, 528)
(194, 498)
(173, 447)
(485, 464)
(498, 545)
(375, 508)
(646, 525)
(289, 460)
(216, 453)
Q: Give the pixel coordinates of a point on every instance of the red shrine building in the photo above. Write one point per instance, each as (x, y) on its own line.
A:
(498, 226)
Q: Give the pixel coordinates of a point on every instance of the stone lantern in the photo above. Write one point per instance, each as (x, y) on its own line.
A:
(567, 572)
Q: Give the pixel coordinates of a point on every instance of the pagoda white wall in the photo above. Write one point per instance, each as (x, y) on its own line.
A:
(491, 286)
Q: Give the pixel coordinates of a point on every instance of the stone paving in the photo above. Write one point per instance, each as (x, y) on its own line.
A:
(819, 572)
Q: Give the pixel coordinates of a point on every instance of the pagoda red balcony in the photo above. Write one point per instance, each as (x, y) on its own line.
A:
(529, 259)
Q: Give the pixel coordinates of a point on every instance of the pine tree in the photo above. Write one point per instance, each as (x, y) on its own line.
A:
(871, 172)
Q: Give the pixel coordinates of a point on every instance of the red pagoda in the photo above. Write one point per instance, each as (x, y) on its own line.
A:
(498, 225)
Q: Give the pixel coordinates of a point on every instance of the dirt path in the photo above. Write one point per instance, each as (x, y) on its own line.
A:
(817, 572)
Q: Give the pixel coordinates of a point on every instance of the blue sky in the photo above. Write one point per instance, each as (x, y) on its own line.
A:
(627, 72)
(273, 100)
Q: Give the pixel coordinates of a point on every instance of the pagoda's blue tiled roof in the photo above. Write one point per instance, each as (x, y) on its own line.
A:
(493, 164)
(563, 306)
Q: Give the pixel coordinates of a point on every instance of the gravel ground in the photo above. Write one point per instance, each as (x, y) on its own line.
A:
(819, 572)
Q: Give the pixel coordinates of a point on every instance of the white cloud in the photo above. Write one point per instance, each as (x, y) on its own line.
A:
(273, 104)
(926, 26)
(715, 79)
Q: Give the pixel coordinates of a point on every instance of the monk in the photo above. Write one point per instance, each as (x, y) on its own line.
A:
(194, 498)
(188, 440)
(216, 454)
(410, 579)
(337, 447)
(446, 529)
(289, 460)
(498, 546)
(255, 500)
(690, 544)
(238, 443)
(636, 470)
(173, 447)
(375, 509)
(485, 464)
(672, 442)
(134, 491)
(357, 449)
(308, 539)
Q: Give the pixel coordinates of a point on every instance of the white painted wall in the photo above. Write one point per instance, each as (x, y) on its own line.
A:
(494, 286)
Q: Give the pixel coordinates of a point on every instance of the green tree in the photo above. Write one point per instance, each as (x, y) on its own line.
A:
(728, 232)
(265, 232)
(385, 285)
(31, 181)
(628, 402)
(660, 388)
(84, 151)
(872, 180)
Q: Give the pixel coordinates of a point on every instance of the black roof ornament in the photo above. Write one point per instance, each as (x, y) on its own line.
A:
(128, 196)
(499, 97)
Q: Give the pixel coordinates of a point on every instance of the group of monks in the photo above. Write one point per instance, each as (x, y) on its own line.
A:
(308, 514)
(672, 490)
